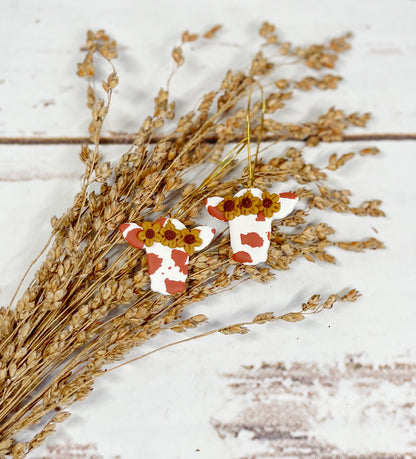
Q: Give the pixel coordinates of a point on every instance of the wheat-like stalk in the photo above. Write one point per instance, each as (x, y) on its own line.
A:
(73, 318)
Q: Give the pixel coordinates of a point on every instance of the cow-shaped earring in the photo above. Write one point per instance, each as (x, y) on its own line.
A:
(168, 244)
(250, 214)
(251, 211)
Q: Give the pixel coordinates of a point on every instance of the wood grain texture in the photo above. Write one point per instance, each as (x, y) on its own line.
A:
(306, 410)
(129, 139)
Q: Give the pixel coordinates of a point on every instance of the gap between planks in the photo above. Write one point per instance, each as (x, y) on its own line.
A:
(129, 139)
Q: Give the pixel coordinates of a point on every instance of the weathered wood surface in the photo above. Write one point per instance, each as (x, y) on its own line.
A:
(40, 95)
(179, 404)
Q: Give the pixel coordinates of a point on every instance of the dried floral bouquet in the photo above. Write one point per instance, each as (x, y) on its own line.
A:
(89, 303)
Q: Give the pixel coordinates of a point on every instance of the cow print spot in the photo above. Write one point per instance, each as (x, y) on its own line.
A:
(215, 212)
(123, 227)
(132, 238)
(162, 221)
(252, 239)
(153, 263)
(173, 287)
(288, 195)
(242, 257)
(180, 258)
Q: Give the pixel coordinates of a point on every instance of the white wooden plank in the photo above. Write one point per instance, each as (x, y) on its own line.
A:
(40, 94)
(180, 394)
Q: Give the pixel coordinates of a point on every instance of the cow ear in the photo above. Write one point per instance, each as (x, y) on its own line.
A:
(288, 202)
(177, 224)
(206, 233)
(130, 233)
(211, 205)
(162, 221)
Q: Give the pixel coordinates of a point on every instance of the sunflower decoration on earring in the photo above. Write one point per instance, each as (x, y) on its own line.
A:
(150, 233)
(170, 235)
(270, 204)
(249, 204)
(230, 206)
(190, 239)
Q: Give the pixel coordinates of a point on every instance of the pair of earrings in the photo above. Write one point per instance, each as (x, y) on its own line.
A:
(168, 243)
(249, 213)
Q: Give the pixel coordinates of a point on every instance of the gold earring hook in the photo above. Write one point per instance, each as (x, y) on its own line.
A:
(252, 164)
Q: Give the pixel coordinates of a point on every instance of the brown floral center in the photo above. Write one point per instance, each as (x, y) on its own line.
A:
(229, 206)
(150, 234)
(246, 203)
(170, 235)
(267, 203)
(189, 239)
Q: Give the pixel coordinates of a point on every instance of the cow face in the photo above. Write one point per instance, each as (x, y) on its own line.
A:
(250, 214)
(168, 244)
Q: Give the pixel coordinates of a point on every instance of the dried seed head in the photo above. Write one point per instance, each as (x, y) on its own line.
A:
(178, 56)
(210, 33)
(293, 317)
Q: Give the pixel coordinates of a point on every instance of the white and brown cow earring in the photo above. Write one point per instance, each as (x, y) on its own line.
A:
(250, 212)
(168, 244)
